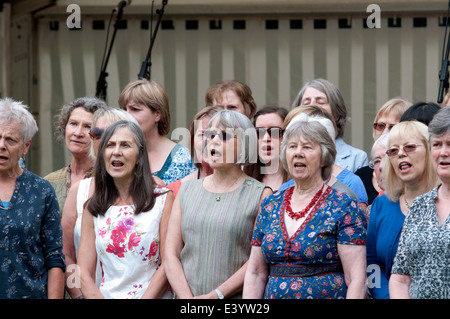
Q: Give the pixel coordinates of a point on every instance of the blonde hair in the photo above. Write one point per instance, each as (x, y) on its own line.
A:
(397, 106)
(151, 94)
(394, 187)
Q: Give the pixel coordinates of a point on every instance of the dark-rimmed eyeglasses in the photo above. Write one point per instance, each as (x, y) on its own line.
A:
(382, 126)
(274, 132)
(96, 133)
(393, 151)
(223, 135)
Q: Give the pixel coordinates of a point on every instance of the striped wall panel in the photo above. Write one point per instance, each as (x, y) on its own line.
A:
(274, 57)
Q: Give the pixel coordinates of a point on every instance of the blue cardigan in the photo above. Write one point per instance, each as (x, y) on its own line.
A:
(385, 225)
(30, 238)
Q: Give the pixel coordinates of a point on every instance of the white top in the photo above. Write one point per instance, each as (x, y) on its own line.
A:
(128, 248)
(82, 197)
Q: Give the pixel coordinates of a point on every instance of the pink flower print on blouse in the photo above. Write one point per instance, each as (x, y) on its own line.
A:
(133, 241)
(127, 224)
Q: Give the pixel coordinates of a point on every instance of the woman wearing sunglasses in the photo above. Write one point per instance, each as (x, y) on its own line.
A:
(268, 169)
(407, 173)
(208, 240)
(422, 264)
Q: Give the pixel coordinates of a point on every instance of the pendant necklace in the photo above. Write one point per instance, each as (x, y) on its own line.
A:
(218, 195)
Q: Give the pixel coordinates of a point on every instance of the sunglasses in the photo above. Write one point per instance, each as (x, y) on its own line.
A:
(382, 126)
(393, 151)
(96, 133)
(223, 135)
(274, 132)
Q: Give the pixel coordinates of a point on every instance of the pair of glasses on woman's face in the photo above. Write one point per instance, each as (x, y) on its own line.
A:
(408, 148)
(96, 133)
(223, 135)
(382, 126)
(274, 132)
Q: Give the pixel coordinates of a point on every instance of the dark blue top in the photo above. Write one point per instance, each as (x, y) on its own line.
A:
(30, 238)
(385, 226)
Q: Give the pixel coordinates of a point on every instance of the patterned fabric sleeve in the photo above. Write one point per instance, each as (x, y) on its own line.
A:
(261, 220)
(352, 226)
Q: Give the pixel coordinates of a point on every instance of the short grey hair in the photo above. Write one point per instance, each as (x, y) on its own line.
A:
(240, 125)
(15, 111)
(382, 140)
(440, 124)
(315, 132)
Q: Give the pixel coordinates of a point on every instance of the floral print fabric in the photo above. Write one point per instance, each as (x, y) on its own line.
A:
(307, 264)
(30, 239)
(128, 248)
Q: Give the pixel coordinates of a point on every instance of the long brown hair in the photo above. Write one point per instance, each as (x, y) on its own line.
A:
(142, 187)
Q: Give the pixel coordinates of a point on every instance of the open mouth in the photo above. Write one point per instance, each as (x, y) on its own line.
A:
(441, 163)
(299, 165)
(117, 164)
(404, 166)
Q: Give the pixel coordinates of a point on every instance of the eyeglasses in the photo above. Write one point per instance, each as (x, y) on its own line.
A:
(393, 151)
(96, 133)
(375, 162)
(382, 126)
(223, 135)
(274, 132)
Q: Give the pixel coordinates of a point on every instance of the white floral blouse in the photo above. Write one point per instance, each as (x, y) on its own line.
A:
(128, 248)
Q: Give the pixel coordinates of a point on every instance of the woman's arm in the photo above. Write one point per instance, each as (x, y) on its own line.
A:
(399, 286)
(55, 283)
(256, 276)
(353, 259)
(174, 245)
(69, 218)
(87, 257)
(159, 283)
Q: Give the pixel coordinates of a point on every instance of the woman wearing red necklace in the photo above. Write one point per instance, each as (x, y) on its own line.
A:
(309, 239)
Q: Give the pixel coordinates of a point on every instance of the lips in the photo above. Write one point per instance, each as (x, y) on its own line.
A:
(117, 163)
(444, 164)
(214, 154)
(404, 166)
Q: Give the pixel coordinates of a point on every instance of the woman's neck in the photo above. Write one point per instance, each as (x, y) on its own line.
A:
(308, 187)
(80, 165)
(413, 190)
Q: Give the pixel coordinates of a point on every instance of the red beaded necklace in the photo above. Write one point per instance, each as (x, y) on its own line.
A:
(302, 213)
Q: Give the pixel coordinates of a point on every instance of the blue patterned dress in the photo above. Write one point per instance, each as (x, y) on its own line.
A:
(177, 165)
(30, 239)
(307, 264)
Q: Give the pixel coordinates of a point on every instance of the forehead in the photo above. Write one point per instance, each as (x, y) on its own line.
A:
(269, 120)
(122, 134)
(442, 138)
(10, 128)
(311, 92)
(80, 113)
(389, 117)
(229, 96)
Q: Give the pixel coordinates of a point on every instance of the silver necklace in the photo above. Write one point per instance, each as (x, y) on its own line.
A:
(406, 202)
(218, 195)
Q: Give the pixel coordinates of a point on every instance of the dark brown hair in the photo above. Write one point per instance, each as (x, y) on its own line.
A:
(142, 187)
